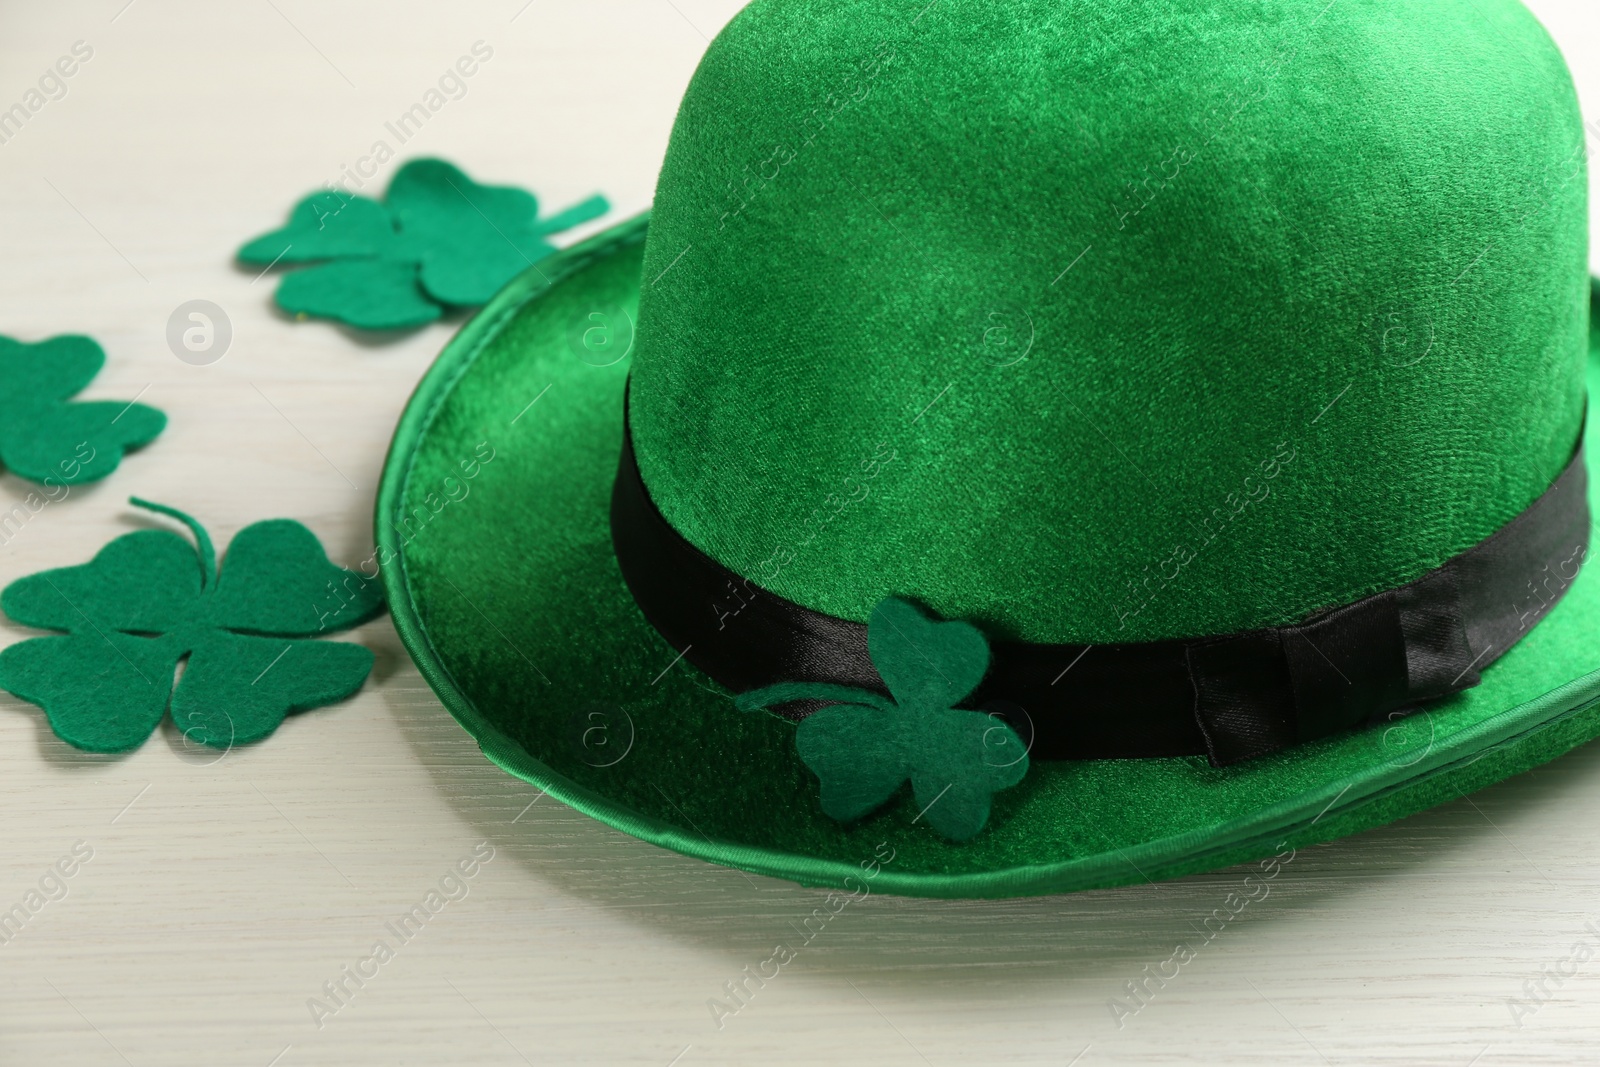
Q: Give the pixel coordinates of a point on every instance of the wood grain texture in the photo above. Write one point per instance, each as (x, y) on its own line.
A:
(222, 894)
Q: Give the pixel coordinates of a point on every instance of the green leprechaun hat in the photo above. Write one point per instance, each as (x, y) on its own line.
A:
(1037, 446)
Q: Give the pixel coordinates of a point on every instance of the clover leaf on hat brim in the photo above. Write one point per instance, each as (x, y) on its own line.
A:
(864, 747)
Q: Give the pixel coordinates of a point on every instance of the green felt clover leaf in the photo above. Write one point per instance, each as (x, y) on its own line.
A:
(48, 438)
(438, 240)
(864, 745)
(149, 601)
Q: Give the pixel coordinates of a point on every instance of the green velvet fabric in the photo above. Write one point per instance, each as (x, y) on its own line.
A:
(1090, 270)
(150, 600)
(512, 604)
(865, 747)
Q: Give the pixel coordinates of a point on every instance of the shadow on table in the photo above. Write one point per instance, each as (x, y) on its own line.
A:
(956, 945)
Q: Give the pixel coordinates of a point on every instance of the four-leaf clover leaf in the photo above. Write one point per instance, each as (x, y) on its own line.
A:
(438, 239)
(865, 745)
(149, 601)
(48, 438)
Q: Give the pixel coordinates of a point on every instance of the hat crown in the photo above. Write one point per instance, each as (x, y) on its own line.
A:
(1095, 324)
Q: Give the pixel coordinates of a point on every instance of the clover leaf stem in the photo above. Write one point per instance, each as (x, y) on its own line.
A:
(208, 554)
(784, 692)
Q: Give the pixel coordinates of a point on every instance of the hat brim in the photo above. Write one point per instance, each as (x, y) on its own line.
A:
(492, 525)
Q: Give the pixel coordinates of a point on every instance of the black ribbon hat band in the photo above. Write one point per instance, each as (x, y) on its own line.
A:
(1229, 697)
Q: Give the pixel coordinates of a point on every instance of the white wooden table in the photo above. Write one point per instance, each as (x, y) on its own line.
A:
(222, 894)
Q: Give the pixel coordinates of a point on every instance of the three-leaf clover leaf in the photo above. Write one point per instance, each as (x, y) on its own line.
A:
(47, 437)
(149, 601)
(865, 745)
(438, 239)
